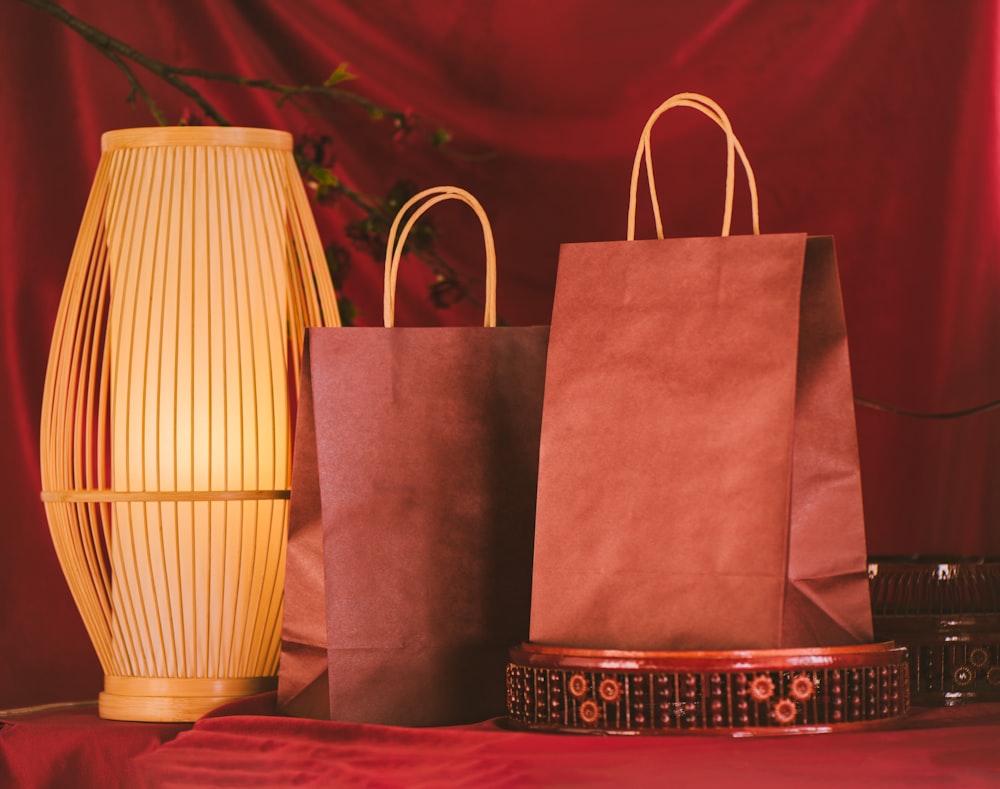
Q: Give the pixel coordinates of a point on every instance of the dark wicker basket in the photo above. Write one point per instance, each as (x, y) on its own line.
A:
(947, 613)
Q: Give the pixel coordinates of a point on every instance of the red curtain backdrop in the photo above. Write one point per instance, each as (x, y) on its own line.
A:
(876, 121)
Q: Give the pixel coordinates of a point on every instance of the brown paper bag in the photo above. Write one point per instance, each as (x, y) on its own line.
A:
(698, 477)
(413, 506)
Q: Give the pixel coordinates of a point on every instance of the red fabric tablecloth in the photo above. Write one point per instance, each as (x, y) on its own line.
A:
(246, 744)
(69, 747)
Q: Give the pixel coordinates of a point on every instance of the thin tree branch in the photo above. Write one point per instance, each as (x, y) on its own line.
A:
(174, 75)
(138, 89)
(116, 50)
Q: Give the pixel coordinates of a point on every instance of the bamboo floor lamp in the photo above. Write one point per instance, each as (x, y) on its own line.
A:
(167, 410)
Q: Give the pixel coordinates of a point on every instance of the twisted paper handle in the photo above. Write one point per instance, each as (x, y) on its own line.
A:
(394, 249)
(708, 107)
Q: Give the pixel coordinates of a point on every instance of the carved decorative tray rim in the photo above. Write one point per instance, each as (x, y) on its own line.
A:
(741, 693)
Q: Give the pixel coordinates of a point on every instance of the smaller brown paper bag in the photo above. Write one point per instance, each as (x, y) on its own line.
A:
(412, 513)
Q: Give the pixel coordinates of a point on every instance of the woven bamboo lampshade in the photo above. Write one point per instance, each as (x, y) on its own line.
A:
(165, 431)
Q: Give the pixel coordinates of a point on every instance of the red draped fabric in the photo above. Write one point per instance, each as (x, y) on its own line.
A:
(876, 121)
(247, 744)
(71, 747)
(944, 747)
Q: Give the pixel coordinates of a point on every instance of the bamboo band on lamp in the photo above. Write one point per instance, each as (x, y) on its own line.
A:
(166, 416)
(159, 495)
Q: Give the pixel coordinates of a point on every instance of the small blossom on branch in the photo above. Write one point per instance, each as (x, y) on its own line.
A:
(447, 291)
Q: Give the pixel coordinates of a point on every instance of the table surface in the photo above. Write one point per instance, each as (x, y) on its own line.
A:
(248, 744)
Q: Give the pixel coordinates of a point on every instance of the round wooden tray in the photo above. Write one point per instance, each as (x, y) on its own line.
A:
(738, 693)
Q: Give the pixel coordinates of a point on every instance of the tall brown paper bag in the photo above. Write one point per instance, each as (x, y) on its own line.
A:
(698, 483)
(412, 512)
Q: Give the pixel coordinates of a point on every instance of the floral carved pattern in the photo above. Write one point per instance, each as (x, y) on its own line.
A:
(802, 688)
(784, 711)
(564, 698)
(577, 686)
(761, 688)
(589, 711)
(964, 676)
(609, 690)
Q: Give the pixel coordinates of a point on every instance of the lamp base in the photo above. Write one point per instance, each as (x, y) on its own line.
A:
(739, 693)
(173, 699)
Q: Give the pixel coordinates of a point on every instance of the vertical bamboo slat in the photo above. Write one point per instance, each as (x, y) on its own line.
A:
(165, 437)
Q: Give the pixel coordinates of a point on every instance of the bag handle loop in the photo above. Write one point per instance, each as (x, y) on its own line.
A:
(394, 249)
(710, 108)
